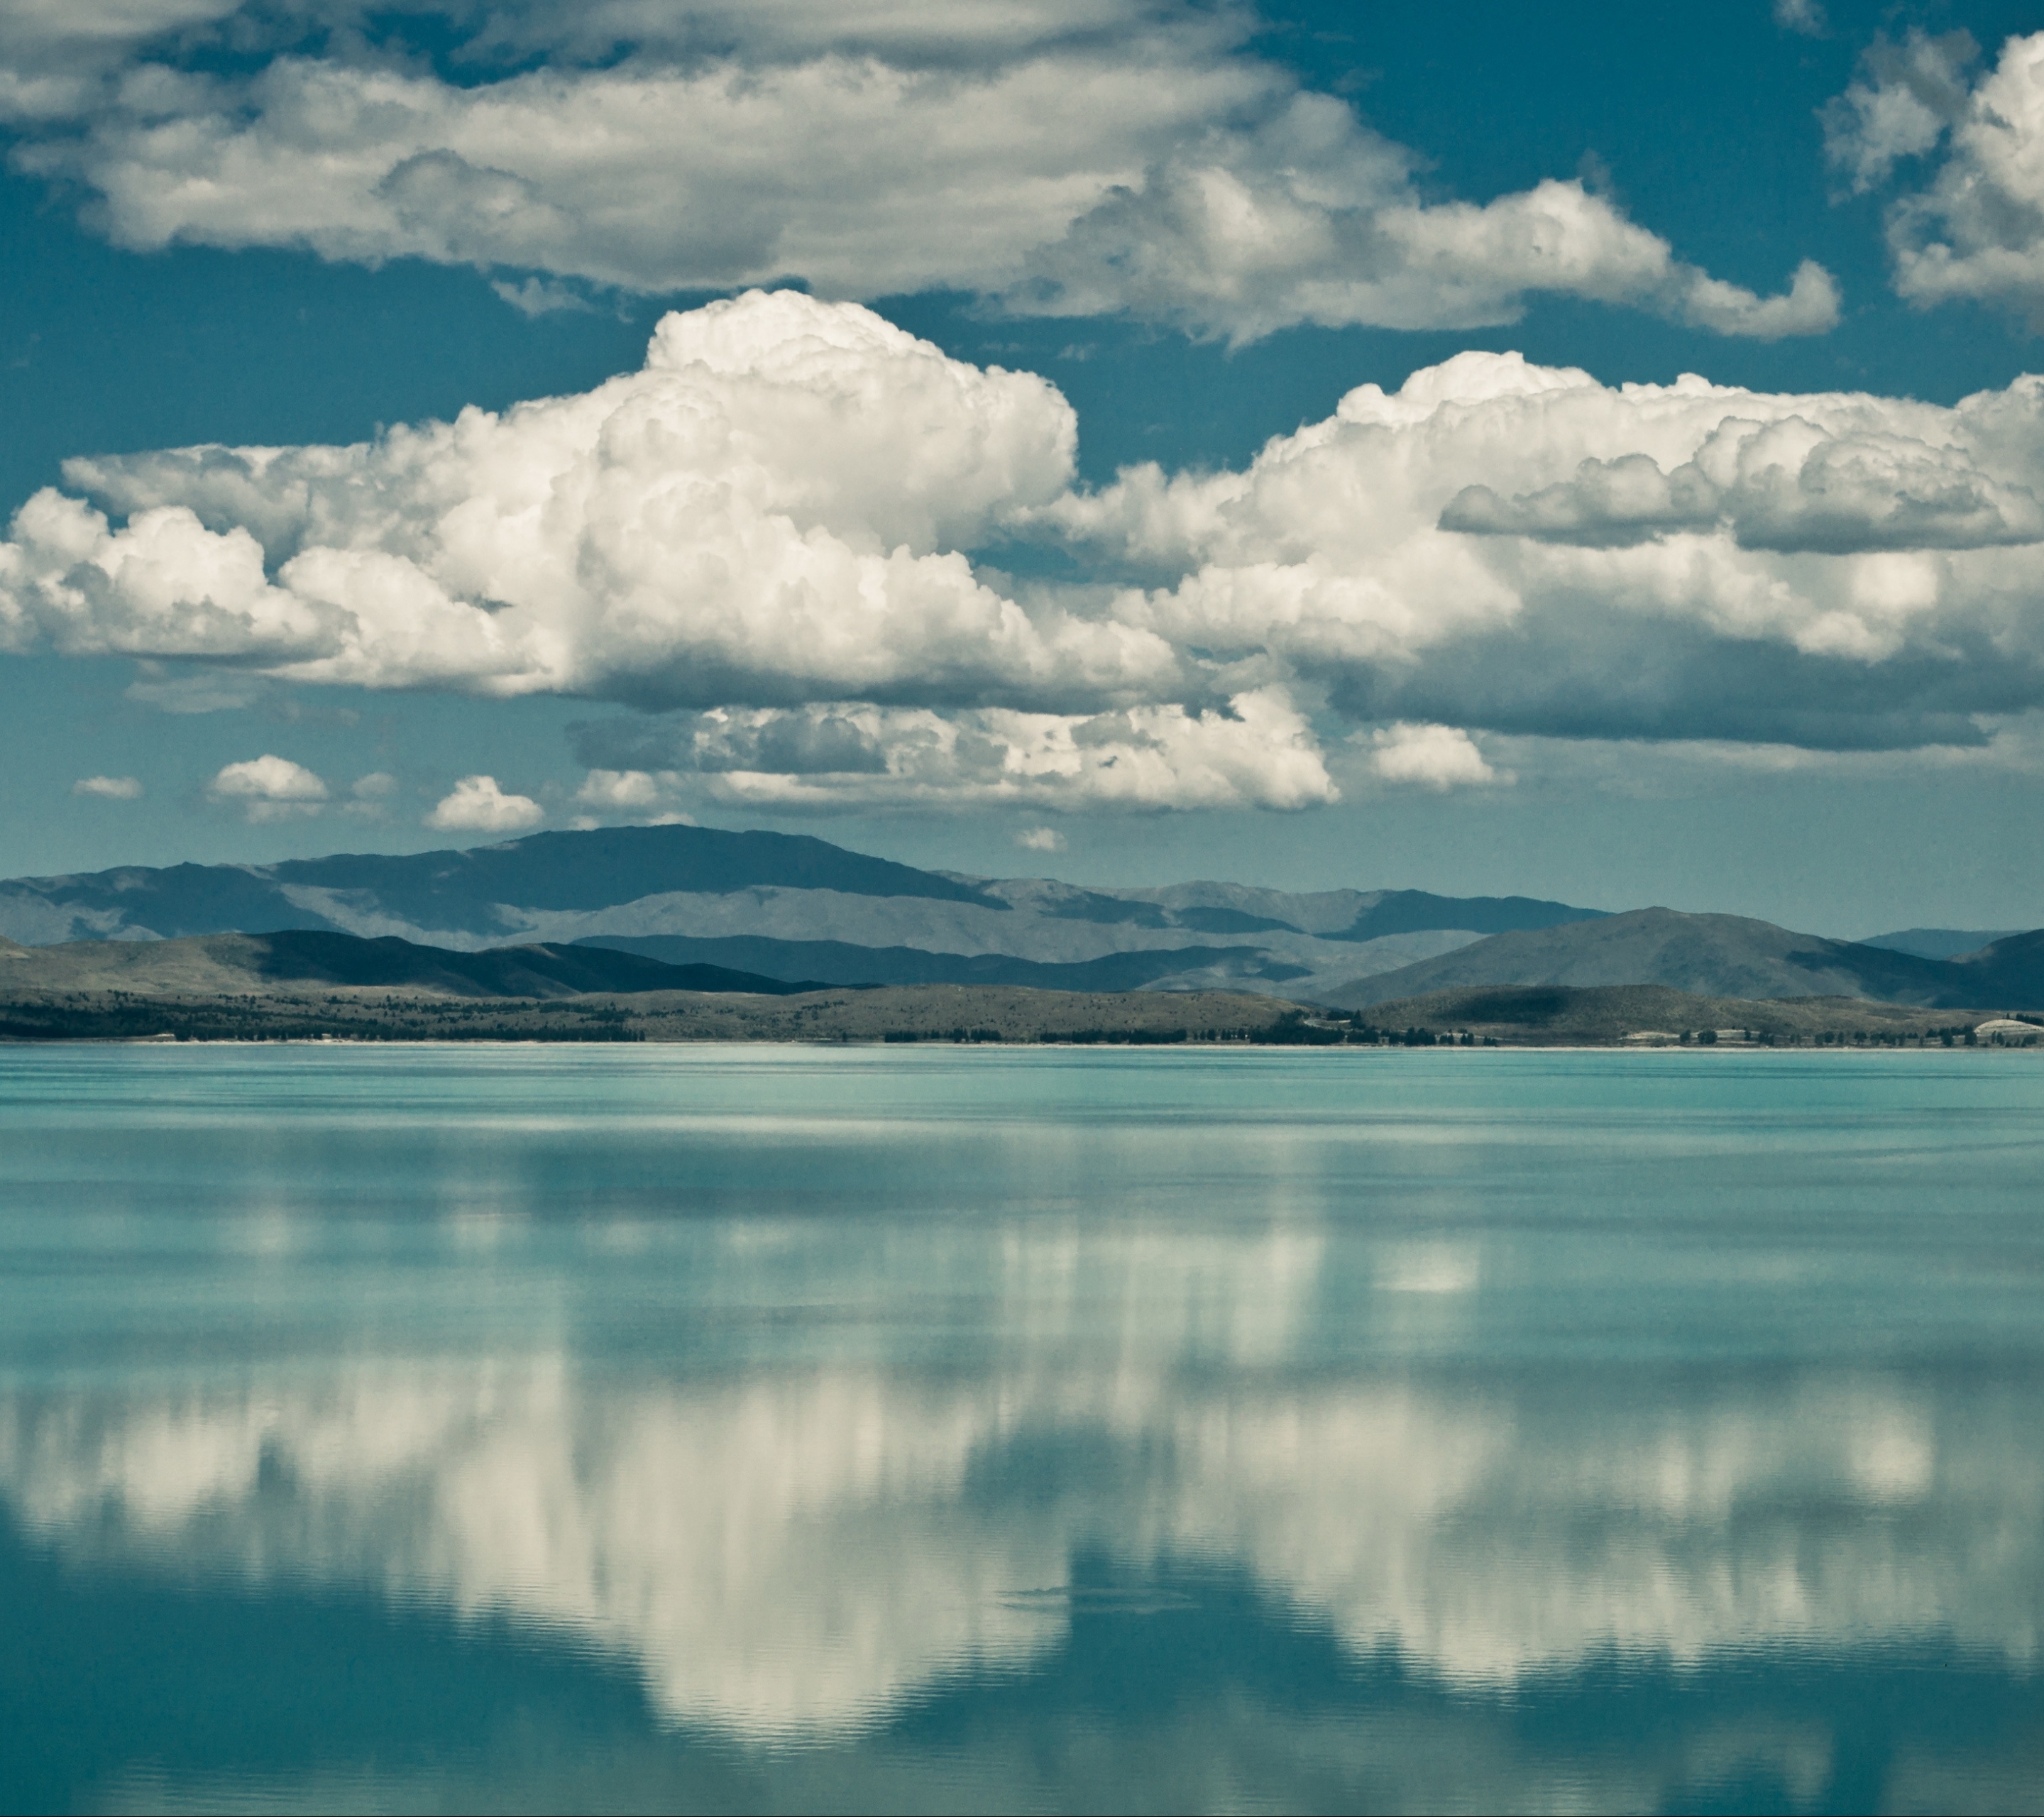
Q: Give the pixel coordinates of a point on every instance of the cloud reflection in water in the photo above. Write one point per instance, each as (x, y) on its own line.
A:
(790, 1550)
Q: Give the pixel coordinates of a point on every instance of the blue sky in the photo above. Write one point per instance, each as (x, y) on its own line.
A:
(1769, 641)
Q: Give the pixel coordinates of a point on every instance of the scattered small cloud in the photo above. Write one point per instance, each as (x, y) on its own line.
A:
(1040, 839)
(1432, 756)
(107, 787)
(476, 804)
(369, 793)
(269, 788)
(541, 297)
(646, 797)
(1805, 17)
(1972, 230)
(1904, 99)
(624, 791)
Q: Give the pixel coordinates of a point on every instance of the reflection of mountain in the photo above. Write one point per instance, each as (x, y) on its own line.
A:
(784, 907)
(796, 1551)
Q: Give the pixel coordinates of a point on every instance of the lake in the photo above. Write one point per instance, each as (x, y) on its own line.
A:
(750, 1428)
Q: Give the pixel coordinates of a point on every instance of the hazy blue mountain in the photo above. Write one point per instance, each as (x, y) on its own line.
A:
(1716, 955)
(1408, 910)
(786, 907)
(227, 964)
(1941, 943)
(456, 891)
(2007, 975)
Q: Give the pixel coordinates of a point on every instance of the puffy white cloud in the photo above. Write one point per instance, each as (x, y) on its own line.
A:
(269, 788)
(771, 509)
(1040, 839)
(1434, 756)
(1899, 105)
(1311, 217)
(763, 535)
(108, 788)
(1787, 485)
(1129, 156)
(1975, 231)
(648, 176)
(1258, 750)
(624, 791)
(476, 803)
(1506, 546)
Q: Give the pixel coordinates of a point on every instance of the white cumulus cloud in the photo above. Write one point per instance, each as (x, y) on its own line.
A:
(1899, 105)
(763, 542)
(269, 788)
(1505, 546)
(1310, 217)
(1040, 839)
(476, 803)
(771, 509)
(1974, 231)
(108, 788)
(1129, 156)
(1256, 751)
(1434, 756)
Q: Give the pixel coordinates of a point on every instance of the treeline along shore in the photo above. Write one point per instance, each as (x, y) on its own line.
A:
(303, 985)
(1551, 1016)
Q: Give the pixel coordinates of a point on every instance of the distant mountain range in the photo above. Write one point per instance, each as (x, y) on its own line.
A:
(232, 964)
(1719, 956)
(1941, 943)
(786, 911)
(787, 908)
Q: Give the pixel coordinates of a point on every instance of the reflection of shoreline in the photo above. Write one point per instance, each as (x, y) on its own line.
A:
(794, 1552)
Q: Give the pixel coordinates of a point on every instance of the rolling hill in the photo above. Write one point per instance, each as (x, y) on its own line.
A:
(794, 909)
(231, 964)
(1728, 956)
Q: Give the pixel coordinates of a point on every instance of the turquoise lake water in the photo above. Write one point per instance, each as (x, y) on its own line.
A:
(791, 1429)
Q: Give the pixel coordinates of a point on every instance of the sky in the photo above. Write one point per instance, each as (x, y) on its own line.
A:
(1586, 454)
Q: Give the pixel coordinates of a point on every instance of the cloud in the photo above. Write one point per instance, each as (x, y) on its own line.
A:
(369, 793)
(108, 788)
(1803, 16)
(771, 509)
(1787, 485)
(536, 297)
(1434, 756)
(1311, 218)
(760, 541)
(1517, 548)
(1129, 157)
(476, 804)
(1040, 839)
(269, 788)
(1257, 751)
(1975, 231)
(1899, 104)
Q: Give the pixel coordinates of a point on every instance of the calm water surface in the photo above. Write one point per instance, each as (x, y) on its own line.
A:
(786, 1429)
